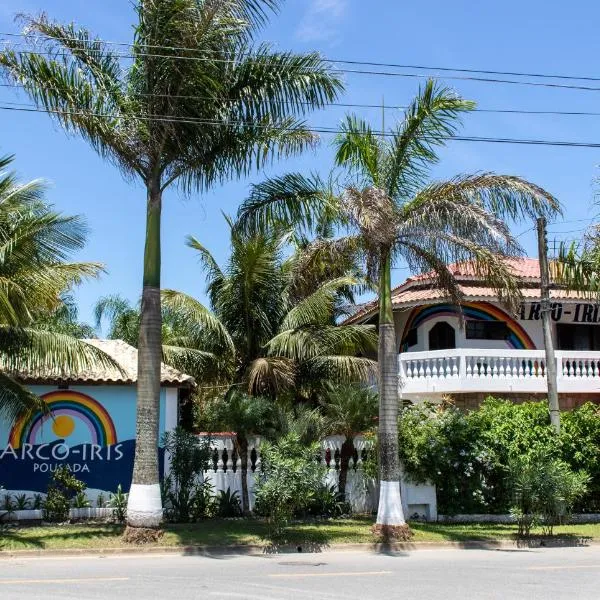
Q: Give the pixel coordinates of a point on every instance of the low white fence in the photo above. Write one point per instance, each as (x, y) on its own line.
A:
(225, 471)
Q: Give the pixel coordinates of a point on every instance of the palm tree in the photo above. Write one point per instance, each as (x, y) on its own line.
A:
(247, 416)
(65, 319)
(270, 331)
(197, 102)
(35, 243)
(394, 213)
(124, 321)
(262, 333)
(349, 409)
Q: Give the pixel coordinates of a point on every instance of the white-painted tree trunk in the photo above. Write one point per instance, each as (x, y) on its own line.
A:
(389, 510)
(144, 505)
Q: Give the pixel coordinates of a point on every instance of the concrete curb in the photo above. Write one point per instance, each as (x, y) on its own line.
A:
(258, 550)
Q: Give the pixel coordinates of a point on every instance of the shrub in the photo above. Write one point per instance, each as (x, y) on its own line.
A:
(289, 480)
(439, 445)
(81, 501)
(118, 502)
(63, 487)
(580, 448)
(544, 490)
(184, 493)
(327, 502)
(468, 455)
(228, 504)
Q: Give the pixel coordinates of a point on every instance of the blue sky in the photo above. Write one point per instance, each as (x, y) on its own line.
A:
(534, 36)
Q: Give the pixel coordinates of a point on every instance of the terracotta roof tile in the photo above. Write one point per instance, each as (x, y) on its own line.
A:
(415, 290)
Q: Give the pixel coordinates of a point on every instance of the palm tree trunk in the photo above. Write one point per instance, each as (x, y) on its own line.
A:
(390, 516)
(345, 456)
(242, 442)
(144, 507)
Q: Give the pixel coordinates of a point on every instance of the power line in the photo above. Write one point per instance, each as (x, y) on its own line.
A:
(370, 106)
(345, 61)
(348, 71)
(324, 130)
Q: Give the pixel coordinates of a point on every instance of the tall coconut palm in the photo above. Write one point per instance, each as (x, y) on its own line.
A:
(35, 244)
(394, 213)
(191, 102)
(270, 332)
(349, 409)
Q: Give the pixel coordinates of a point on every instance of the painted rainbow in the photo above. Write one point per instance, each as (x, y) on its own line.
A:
(74, 404)
(518, 338)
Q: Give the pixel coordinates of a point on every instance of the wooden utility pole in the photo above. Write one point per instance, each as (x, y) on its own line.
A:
(553, 406)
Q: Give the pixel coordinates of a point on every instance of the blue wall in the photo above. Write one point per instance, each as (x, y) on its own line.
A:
(92, 430)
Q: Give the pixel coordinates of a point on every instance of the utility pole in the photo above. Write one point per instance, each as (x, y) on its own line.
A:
(553, 406)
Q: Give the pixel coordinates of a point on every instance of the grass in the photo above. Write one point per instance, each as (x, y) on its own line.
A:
(250, 532)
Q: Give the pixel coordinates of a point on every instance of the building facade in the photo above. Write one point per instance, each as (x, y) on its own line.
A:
(483, 349)
(91, 428)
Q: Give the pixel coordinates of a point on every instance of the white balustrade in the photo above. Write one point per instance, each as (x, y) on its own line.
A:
(493, 371)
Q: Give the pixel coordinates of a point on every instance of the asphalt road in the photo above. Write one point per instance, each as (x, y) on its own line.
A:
(555, 573)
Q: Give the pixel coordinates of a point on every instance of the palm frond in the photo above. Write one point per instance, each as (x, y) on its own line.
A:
(16, 400)
(429, 121)
(39, 354)
(360, 150)
(305, 343)
(270, 375)
(318, 308)
(292, 200)
(200, 322)
(343, 369)
(505, 196)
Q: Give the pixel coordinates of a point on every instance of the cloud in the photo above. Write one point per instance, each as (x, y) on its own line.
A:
(321, 21)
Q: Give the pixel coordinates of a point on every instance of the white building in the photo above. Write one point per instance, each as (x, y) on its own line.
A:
(492, 352)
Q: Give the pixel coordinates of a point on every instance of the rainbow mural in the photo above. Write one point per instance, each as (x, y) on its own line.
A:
(69, 410)
(482, 311)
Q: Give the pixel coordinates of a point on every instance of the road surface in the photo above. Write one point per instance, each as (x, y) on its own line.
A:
(557, 573)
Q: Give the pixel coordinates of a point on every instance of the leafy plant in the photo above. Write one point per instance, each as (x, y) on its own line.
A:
(38, 500)
(349, 409)
(8, 505)
(228, 504)
(544, 490)
(63, 487)
(21, 502)
(579, 447)
(183, 488)
(81, 501)
(289, 480)
(327, 502)
(118, 502)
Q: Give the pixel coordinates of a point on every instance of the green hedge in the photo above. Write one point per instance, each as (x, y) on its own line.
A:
(466, 454)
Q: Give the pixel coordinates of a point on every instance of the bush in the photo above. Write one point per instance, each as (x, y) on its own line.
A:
(467, 455)
(185, 495)
(544, 490)
(580, 448)
(327, 502)
(439, 445)
(228, 504)
(63, 487)
(289, 480)
(118, 503)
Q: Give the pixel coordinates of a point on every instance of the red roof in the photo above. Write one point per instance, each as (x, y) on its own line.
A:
(415, 290)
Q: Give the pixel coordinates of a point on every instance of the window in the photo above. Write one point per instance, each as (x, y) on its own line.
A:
(411, 338)
(486, 330)
(577, 337)
(442, 336)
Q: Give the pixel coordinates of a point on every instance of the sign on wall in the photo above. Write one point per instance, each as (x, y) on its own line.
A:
(581, 312)
(79, 433)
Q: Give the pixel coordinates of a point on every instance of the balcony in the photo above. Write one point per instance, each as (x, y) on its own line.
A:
(495, 371)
